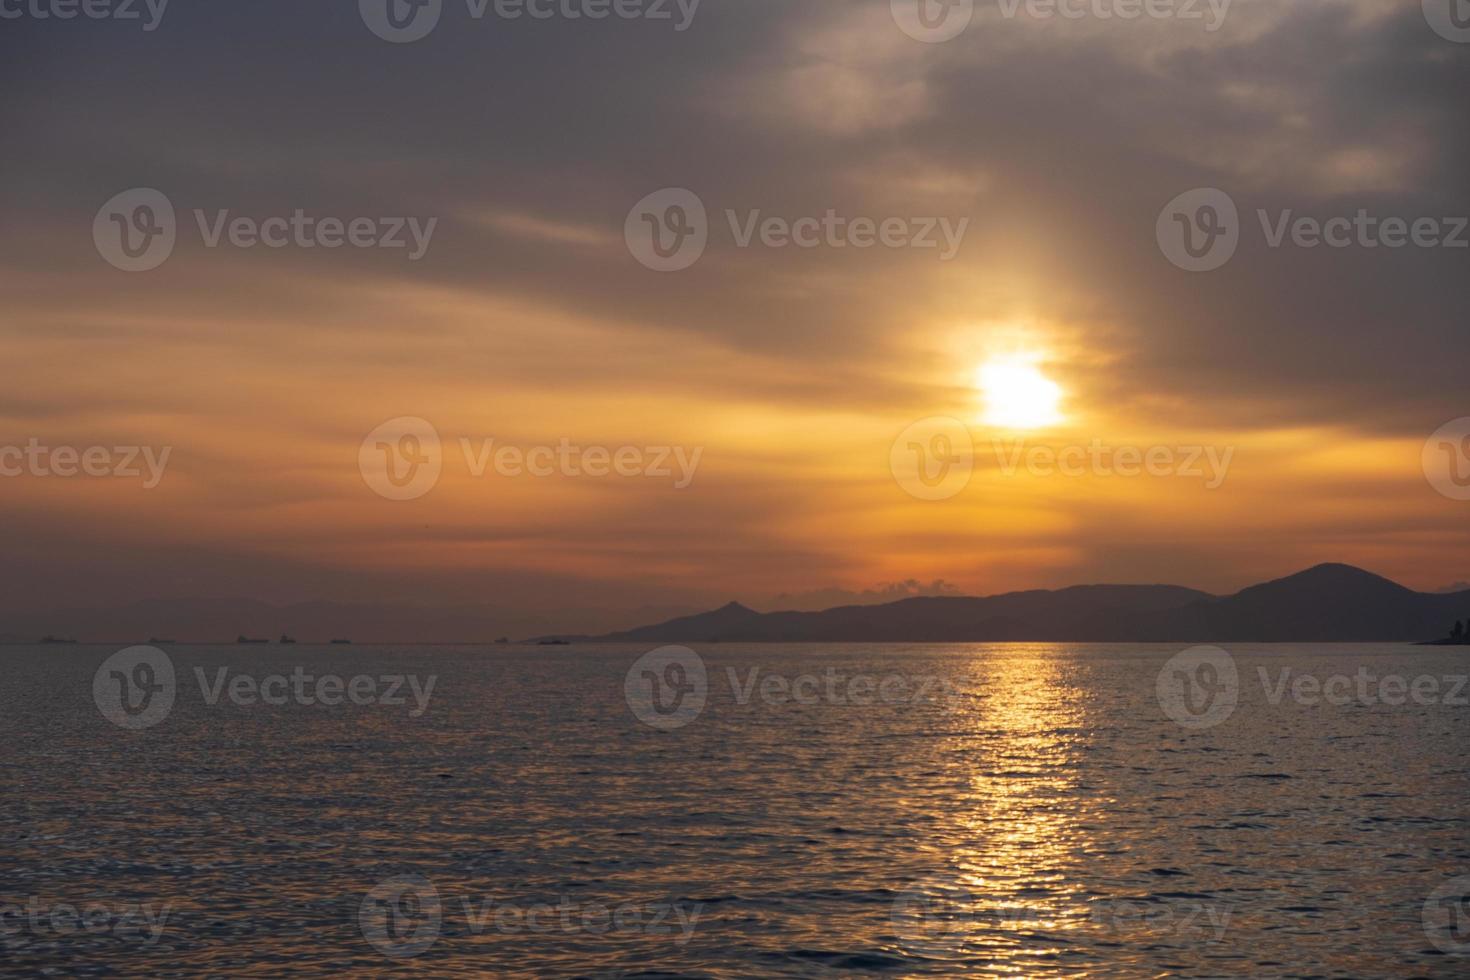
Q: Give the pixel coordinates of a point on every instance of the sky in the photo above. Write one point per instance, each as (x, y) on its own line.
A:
(758, 415)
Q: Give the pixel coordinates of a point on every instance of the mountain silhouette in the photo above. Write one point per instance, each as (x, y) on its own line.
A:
(1328, 603)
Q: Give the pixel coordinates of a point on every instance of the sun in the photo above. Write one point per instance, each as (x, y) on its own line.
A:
(1017, 395)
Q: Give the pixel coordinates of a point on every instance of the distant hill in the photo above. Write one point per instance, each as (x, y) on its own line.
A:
(1328, 603)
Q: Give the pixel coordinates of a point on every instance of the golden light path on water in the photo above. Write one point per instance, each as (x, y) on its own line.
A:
(1026, 745)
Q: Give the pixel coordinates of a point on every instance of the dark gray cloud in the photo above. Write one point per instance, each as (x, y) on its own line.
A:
(529, 141)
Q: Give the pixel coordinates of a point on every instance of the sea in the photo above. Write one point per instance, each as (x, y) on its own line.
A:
(735, 811)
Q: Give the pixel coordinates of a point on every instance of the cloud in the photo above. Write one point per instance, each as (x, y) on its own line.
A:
(529, 321)
(832, 596)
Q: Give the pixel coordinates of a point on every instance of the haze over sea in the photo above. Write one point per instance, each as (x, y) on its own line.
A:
(902, 810)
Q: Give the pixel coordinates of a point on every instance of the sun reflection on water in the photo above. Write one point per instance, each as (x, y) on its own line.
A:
(1011, 894)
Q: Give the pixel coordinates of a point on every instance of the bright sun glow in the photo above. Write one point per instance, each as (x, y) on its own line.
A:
(1018, 395)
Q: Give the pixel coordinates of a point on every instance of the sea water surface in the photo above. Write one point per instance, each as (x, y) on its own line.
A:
(1023, 810)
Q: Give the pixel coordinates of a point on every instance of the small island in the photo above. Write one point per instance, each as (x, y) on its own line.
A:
(1459, 637)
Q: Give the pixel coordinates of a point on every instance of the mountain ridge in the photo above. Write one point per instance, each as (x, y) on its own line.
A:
(1331, 602)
